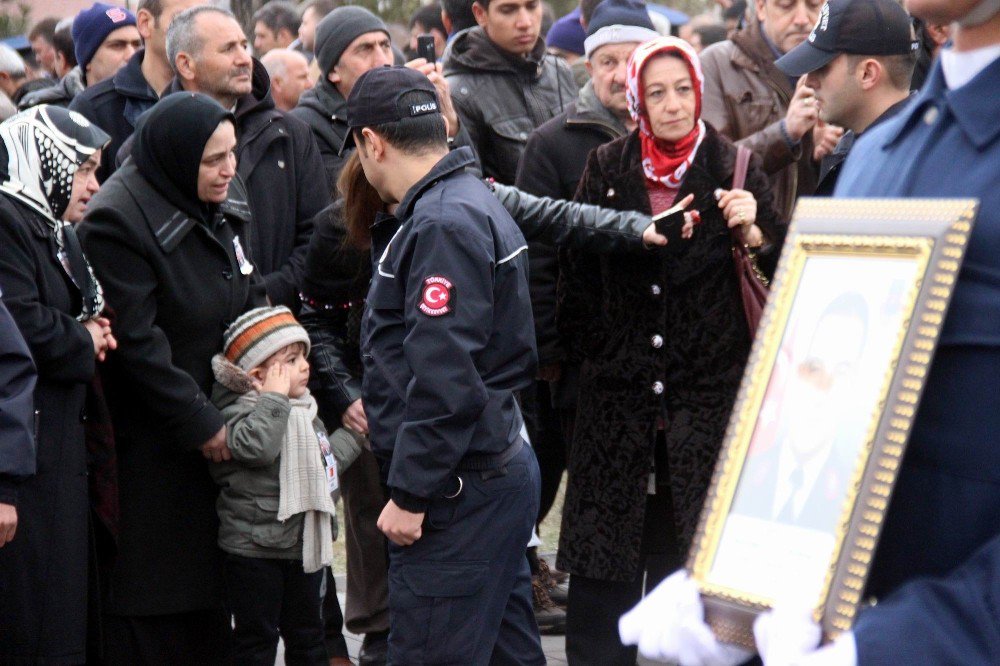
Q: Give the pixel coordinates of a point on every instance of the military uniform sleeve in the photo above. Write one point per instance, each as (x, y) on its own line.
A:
(952, 620)
(447, 395)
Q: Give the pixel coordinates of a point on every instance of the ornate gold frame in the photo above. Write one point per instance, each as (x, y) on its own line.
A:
(934, 233)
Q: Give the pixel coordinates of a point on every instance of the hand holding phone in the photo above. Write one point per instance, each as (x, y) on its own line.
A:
(426, 49)
(671, 223)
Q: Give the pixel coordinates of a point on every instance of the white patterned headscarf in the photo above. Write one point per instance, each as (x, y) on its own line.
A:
(41, 151)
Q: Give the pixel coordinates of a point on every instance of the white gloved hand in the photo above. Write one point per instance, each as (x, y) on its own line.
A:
(788, 636)
(669, 625)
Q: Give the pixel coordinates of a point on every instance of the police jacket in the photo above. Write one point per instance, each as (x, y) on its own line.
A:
(500, 98)
(945, 143)
(450, 280)
(115, 105)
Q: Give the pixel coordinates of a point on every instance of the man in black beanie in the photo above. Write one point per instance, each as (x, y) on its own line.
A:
(351, 40)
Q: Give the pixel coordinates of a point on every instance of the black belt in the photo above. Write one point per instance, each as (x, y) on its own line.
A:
(483, 462)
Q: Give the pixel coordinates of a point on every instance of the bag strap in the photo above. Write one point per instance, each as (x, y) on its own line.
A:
(743, 155)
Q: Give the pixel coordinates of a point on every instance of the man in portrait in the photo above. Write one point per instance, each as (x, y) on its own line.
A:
(801, 477)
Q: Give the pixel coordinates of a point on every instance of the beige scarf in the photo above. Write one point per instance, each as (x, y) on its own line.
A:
(302, 482)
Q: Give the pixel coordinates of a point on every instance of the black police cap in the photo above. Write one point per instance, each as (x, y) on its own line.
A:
(376, 96)
(859, 27)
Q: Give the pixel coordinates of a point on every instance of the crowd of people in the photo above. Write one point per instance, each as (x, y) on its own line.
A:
(247, 273)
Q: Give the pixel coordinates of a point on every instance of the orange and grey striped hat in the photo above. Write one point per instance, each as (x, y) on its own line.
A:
(259, 333)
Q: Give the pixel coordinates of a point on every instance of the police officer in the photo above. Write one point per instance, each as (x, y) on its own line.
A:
(447, 340)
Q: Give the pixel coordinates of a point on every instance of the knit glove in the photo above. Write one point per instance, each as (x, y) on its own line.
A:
(669, 625)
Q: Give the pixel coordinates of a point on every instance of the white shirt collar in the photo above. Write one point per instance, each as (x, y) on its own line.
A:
(960, 67)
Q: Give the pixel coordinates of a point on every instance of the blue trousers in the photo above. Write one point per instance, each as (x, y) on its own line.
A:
(461, 595)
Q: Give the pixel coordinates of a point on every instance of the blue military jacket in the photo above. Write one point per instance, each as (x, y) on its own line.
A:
(447, 336)
(946, 506)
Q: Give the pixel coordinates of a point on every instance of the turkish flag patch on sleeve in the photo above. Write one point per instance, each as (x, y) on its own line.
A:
(436, 295)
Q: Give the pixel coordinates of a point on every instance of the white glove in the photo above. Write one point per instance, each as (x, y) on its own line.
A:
(669, 625)
(787, 636)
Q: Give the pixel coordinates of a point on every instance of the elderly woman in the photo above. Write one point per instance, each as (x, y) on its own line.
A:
(167, 234)
(663, 341)
(47, 164)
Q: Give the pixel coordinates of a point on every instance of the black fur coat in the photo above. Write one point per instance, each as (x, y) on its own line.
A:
(660, 335)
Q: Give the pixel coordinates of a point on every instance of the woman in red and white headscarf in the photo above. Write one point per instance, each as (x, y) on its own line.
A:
(663, 340)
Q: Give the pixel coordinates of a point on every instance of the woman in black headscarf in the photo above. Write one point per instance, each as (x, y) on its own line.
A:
(167, 235)
(47, 164)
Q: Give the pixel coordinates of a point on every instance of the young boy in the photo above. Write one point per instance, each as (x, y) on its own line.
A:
(276, 510)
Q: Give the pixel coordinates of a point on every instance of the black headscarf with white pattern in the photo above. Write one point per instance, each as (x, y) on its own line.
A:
(42, 149)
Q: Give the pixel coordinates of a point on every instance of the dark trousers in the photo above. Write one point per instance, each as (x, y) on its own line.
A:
(333, 619)
(200, 638)
(461, 595)
(272, 597)
(545, 428)
(594, 605)
(367, 607)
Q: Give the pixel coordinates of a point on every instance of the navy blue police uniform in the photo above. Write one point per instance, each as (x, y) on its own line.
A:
(937, 568)
(447, 341)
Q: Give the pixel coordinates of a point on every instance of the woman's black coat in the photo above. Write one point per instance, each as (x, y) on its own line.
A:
(661, 334)
(175, 285)
(43, 607)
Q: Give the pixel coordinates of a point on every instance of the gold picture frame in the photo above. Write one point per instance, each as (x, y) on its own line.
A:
(825, 408)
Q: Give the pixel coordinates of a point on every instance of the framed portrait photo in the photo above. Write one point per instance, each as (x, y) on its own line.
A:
(823, 415)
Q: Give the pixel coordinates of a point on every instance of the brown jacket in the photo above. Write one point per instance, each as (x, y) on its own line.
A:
(746, 97)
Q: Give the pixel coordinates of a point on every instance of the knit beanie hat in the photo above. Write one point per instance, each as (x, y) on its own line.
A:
(259, 333)
(618, 22)
(567, 33)
(338, 29)
(92, 26)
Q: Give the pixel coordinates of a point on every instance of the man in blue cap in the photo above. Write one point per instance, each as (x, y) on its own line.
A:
(447, 341)
(859, 60)
(104, 38)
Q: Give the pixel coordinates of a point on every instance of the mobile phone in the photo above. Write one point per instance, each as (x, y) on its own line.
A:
(425, 48)
(670, 223)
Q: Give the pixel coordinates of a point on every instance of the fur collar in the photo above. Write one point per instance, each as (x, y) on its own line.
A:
(231, 376)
